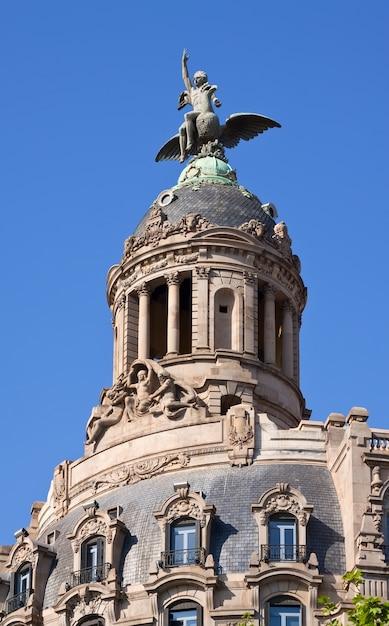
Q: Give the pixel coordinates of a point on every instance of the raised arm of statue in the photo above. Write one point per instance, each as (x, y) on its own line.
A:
(185, 73)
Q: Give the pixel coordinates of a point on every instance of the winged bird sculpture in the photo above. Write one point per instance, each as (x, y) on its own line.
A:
(201, 132)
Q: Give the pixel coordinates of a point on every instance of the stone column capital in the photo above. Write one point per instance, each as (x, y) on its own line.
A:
(143, 290)
(269, 291)
(202, 271)
(173, 279)
(121, 301)
(249, 278)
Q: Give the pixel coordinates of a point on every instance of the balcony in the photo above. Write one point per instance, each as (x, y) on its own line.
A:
(175, 558)
(17, 602)
(95, 574)
(297, 554)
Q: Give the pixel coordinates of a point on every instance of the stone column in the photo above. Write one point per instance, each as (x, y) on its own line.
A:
(249, 313)
(144, 322)
(119, 337)
(202, 308)
(296, 345)
(173, 313)
(287, 339)
(269, 326)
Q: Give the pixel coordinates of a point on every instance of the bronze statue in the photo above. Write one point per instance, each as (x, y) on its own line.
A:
(201, 133)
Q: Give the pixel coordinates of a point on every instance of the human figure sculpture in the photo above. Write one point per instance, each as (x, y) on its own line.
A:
(138, 402)
(108, 413)
(200, 96)
(202, 133)
(165, 398)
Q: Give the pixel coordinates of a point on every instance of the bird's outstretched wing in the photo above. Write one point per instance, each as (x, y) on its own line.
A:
(170, 150)
(245, 126)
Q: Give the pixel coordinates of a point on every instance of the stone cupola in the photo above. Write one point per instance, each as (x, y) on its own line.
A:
(209, 290)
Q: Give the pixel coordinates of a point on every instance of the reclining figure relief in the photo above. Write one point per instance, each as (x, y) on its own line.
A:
(148, 389)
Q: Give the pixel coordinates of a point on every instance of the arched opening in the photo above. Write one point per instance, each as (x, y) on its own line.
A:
(186, 316)
(278, 307)
(261, 326)
(184, 613)
(158, 322)
(224, 316)
(92, 620)
(284, 611)
(227, 401)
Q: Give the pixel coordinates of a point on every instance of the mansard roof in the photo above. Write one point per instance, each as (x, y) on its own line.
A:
(234, 532)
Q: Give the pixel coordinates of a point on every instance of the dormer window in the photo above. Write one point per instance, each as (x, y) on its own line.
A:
(184, 542)
(93, 566)
(22, 588)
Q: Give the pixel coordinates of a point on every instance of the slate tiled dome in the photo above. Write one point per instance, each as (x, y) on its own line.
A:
(223, 205)
(234, 534)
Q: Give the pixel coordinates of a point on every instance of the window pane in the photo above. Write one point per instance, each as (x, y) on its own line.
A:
(285, 616)
(187, 617)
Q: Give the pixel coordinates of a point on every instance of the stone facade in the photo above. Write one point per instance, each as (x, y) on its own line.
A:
(205, 491)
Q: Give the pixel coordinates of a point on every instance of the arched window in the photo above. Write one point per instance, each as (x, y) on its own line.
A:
(284, 611)
(92, 620)
(282, 537)
(185, 546)
(224, 318)
(184, 613)
(93, 567)
(22, 588)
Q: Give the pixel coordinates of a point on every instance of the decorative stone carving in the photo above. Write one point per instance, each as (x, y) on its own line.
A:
(22, 554)
(186, 258)
(253, 227)
(282, 499)
(60, 489)
(249, 278)
(241, 434)
(158, 227)
(95, 526)
(376, 482)
(185, 503)
(154, 390)
(202, 272)
(130, 474)
(91, 603)
(282, 240)
(109, 412)
(173, 279)
(370, 540)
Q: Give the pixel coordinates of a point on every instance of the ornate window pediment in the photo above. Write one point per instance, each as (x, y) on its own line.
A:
(110, 533)
(185, 521)
(282, 515)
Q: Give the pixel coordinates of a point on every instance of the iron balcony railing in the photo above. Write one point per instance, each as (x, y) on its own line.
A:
(284, 553)
(93, 574)
(175, 558)
(17, 602)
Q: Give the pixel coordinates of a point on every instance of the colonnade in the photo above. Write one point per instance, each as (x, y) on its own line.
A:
(289, 326)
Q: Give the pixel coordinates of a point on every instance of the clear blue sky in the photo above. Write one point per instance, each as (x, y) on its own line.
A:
(88, 93)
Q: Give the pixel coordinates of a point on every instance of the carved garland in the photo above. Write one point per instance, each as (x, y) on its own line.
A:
(185, 508)
(283, 502)
(95, 526)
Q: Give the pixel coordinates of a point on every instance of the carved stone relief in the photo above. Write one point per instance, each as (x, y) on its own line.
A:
(282, 240)
(241, 423)
(22, 554)
(130, 474)
(253, 227)
(158, 227)
(60, 489)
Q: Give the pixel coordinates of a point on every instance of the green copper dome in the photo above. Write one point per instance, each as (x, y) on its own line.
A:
(207, 169)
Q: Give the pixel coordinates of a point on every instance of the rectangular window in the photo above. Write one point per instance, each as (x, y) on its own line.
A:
(185, 617)
(282, 540)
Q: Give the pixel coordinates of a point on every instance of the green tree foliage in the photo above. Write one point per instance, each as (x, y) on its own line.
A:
(367, 611)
